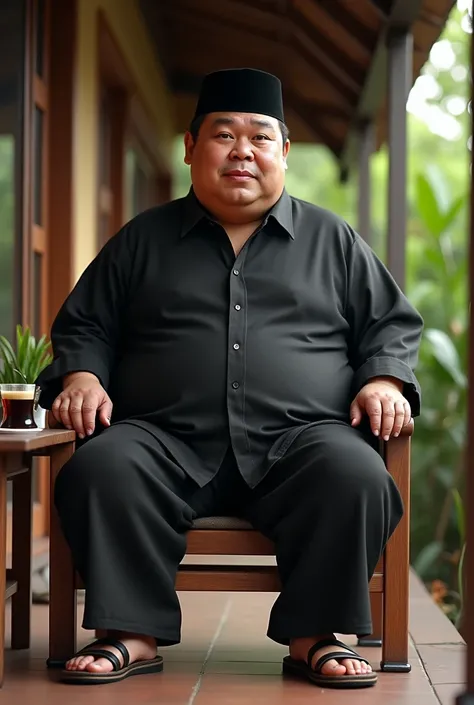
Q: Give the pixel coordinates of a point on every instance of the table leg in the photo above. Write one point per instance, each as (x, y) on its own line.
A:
(62, 593)
(21, 559)
(3, 561)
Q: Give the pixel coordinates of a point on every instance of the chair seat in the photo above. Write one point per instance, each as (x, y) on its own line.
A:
(223, 524)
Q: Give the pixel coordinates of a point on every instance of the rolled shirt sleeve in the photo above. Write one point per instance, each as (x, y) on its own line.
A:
(85, 332)
(385, 328)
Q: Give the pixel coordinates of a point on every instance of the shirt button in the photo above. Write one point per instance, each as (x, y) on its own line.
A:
(237, 307)
(236, 272)
(235, 385)
(236, 346)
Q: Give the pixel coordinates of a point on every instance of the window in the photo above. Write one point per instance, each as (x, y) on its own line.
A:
(140, 182)
(12, 68)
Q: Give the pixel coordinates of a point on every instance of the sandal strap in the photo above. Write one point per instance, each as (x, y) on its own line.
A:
(328, 642)
(116, 644)
(101, 653)
(99, 642)
(337, 656)
(91, 649)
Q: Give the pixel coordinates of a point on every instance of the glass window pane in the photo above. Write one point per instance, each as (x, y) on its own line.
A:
(39, 43)
(38, 166)
(37, 290)
(12, 24)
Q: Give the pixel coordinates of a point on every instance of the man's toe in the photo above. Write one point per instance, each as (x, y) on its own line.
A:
(102, 665)
(333, 668)
(349, 666)
(85, 662)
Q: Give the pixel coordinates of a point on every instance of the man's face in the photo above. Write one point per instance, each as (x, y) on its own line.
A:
(237, 162)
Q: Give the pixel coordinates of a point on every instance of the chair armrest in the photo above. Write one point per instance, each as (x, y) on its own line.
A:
(396, 454)
(51, 421)
(407, 430)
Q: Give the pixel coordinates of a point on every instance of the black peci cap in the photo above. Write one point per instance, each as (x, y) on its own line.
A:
(241, 91)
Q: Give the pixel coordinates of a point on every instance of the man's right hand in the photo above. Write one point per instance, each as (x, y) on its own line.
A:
(82, 398)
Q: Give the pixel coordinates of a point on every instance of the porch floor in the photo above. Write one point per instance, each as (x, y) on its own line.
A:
(226, 658)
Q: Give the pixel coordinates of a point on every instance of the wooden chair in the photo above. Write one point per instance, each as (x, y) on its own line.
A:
(227, 536)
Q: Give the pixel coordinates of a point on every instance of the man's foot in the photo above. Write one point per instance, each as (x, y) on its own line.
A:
(299, 651)
(140, 648)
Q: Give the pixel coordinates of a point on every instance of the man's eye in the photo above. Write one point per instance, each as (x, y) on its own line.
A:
(261, 137)
(224, 135)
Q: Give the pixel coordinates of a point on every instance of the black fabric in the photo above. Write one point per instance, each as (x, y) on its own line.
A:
(241, 91)
(204, 349)
(125, 506)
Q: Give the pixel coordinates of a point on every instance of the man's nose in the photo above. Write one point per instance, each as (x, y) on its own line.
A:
(242, 151)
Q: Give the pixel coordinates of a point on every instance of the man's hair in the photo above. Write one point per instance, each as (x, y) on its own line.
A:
(196, 126)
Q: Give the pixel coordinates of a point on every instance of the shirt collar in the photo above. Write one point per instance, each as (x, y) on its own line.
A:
(281, 213)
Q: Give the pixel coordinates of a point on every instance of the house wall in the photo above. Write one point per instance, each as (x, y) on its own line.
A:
(125, 23)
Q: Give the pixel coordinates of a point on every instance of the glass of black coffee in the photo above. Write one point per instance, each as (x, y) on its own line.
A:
(18, 404)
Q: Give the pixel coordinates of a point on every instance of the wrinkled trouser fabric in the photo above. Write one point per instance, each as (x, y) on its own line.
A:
(329, 505)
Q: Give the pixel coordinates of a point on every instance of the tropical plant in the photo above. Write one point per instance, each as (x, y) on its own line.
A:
(438, 274)
(23, 365)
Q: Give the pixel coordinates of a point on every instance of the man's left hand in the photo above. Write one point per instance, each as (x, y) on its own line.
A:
(384, 404)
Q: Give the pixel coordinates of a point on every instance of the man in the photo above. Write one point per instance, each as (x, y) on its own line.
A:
(230, 344)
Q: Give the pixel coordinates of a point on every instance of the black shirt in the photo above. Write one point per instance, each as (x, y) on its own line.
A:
(204, 348)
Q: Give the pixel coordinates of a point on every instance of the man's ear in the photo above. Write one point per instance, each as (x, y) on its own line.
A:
(286, 149)
(188, 148)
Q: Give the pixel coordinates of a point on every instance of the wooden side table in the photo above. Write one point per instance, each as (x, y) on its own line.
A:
(16, 453)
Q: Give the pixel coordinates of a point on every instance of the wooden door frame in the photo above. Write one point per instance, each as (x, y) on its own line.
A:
(35, 235)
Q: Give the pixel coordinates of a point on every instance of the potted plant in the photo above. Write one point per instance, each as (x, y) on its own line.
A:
(24, 364)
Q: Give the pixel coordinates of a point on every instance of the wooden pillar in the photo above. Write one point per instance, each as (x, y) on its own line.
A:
(400, 70)
(366, 149)
(467, 698)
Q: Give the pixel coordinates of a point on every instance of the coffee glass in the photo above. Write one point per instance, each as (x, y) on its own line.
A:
(18, 405)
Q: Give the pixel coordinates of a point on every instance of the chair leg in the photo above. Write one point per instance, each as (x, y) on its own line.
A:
(374, 639)
(21, 559)
(396, 567)
(3, 563)
(62, 592)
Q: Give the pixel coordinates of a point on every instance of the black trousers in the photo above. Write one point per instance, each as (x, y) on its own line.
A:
(329, 505)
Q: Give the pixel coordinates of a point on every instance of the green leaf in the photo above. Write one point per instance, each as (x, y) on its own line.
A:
(428, 207)
(461, 576)
(444, 351)
(6, 350)
(31, 358)
(427, 558)
(23, 338)
(453, 211)
(460, 515)
(440, 185)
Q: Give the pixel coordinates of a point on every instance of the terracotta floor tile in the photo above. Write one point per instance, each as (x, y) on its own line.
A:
(428, 625)
(269, 690)
(444, 662)
(448, 692)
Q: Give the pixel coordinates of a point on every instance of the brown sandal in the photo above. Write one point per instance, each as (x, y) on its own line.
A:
(119, 673)
(302, 669)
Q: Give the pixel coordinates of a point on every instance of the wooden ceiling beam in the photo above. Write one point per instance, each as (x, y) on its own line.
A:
(337, 63)
(229, 10)
(306, 113)
(384, 7)
(219, 21)
(348, 93)
(331, 63)
(403, 14)
(351, 24)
